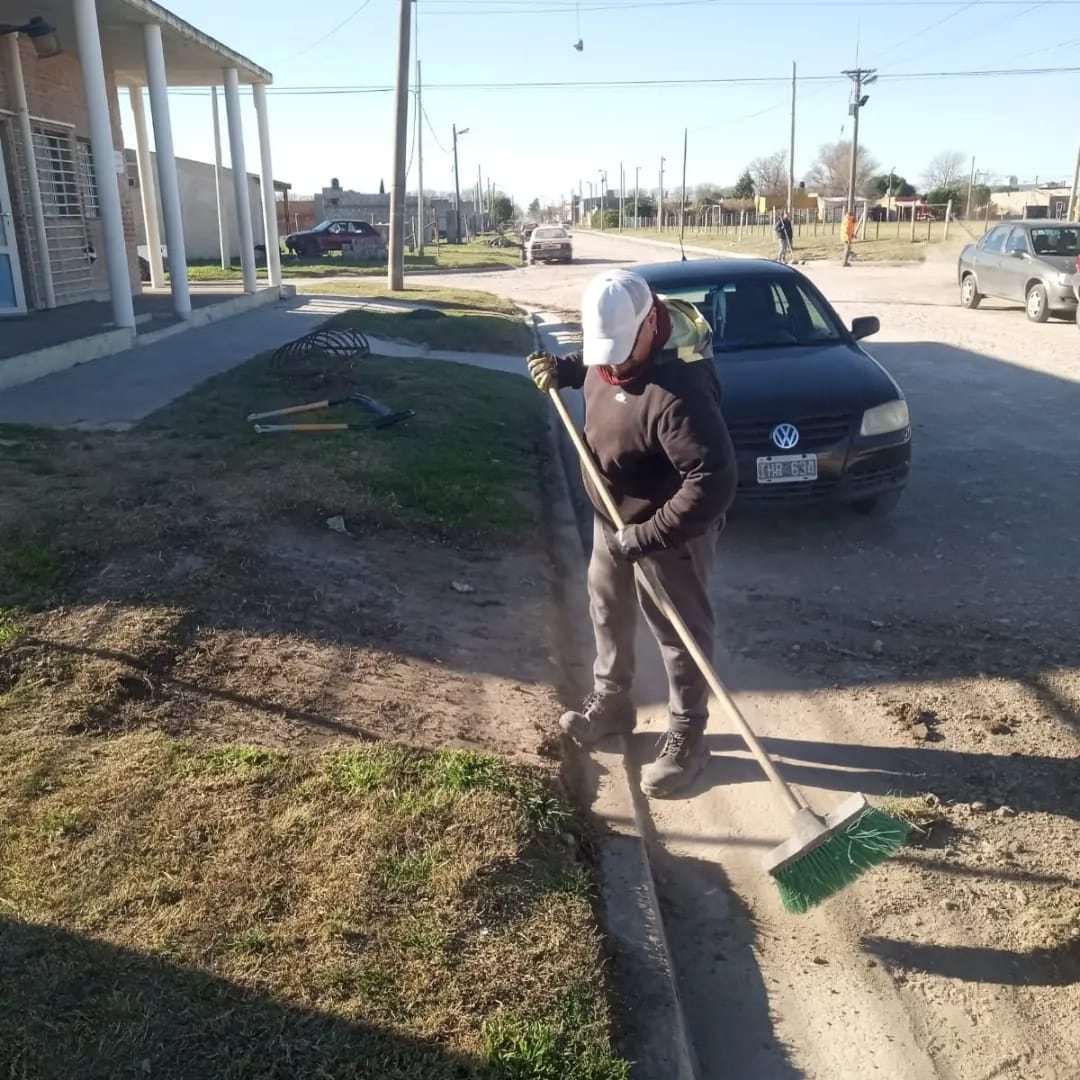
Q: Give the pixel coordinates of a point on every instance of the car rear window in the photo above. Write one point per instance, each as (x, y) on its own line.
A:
(761, 313)
(1055, 240)
(549, 234)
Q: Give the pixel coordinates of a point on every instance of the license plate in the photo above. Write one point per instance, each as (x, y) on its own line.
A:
(787, 469)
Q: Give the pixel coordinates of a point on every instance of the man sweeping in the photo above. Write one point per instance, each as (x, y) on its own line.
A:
(653, 423)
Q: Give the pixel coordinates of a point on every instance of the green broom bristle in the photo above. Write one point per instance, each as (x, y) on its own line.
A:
(870, 839)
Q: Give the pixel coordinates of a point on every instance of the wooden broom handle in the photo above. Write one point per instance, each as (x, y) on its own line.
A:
(791, 800)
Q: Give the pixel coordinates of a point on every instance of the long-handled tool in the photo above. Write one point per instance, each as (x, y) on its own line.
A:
(385, 416)
(823, 855)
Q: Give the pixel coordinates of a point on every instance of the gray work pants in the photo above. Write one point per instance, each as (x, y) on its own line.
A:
(614, 597)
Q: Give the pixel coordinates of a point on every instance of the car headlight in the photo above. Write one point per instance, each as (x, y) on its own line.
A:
(881, 419)
(1065, 279)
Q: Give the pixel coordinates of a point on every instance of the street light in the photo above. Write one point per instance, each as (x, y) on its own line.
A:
(42, 34)
(603, 195)
(457, 187)
(637, 173)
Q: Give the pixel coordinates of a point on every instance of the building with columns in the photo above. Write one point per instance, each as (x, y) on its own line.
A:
(67, 209)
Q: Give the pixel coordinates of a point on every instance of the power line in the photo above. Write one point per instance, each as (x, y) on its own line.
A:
(547, 7)
(568, 84)
(434, 133)
(926, 29)
(329, 33)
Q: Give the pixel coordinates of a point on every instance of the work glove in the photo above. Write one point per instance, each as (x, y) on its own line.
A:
(629, 543)
(544, 371)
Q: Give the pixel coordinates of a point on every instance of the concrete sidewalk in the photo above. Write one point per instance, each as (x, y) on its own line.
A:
(116, 391)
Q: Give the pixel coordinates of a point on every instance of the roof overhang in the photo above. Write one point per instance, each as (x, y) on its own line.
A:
(192, 58)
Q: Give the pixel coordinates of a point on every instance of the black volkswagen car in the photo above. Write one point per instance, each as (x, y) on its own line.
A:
(813, 416)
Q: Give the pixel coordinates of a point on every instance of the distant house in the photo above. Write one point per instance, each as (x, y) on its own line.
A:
(198, 204)
(1049, 202)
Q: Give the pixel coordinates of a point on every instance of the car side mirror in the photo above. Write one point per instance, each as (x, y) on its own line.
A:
(865, 326)
(1017, 254)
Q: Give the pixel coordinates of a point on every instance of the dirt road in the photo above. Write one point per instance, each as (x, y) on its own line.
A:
(933, 654)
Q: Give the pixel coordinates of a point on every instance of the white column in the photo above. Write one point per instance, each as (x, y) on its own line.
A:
(269, 196)
(168, 178)
(148, 189)
(103, 151)
(26, 137)
(240, 179)
(219, 185)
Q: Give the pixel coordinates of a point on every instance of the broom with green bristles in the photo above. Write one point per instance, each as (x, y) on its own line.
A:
(823, 855)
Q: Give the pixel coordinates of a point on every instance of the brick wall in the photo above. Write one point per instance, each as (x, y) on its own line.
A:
(54, 91)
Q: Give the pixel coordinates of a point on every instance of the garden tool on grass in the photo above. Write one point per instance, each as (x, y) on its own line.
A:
(823, 854)
(385, 416)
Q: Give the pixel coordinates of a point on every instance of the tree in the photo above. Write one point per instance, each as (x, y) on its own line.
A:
(829, 173)
(534, 207)
(939, 196)
(880, 185)
(945, 169)
(744, 187)
(770, 173)
(502, 209)
(980, 195)
(707, 194)
(382, 188)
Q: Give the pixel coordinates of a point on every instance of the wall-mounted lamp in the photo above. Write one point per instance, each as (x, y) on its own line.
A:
(41, 33)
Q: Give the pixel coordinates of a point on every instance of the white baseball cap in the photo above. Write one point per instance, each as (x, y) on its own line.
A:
(613, 307)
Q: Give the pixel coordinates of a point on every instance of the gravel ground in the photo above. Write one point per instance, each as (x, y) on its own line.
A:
(933, 655)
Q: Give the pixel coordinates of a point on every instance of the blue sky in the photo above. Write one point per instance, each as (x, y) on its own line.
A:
(540, 142)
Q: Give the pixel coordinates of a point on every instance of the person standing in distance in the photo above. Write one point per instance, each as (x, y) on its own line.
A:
(654, 426)
(784, 234)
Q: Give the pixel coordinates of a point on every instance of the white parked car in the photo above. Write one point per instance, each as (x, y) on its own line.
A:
(549, 243)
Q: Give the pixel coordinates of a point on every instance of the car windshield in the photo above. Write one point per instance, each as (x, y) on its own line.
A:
(1055, 240)
(549, 234)
(761, 313)
(322, 226)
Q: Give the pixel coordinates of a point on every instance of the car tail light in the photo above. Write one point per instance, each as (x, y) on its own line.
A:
(1078, 264)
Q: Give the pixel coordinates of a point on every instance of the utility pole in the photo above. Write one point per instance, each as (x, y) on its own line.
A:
(603, 196)
(395, 268)
(420, 228)
(622, 193)
(860, 77)
(457, 188)
(791, 150)
(479, 201)
(682, 200)
(660, 201)
(637, 174)
(971, 187)
(1075, 189)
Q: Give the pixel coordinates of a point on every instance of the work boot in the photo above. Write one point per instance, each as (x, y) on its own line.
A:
(681, 760)
(600, 715)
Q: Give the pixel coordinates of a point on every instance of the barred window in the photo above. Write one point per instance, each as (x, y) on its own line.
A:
(87, 179)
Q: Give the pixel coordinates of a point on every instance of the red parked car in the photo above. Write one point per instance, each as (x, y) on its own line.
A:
(327, 236)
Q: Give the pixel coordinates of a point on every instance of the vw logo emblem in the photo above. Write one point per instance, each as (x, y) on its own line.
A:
(786, 436)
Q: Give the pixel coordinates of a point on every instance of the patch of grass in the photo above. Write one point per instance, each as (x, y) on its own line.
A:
(922, 812)
(418, 293)
(204, 934)
(246, 764)
(465, 467)
(11, 629)
(447, 329)
(30, 569)
(473, 255)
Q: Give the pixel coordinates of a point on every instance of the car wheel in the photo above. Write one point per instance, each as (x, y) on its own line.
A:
(311, 250)
(970, 297)
(1037, 307)
(879, 505)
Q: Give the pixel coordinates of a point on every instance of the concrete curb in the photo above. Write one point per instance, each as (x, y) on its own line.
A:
(631, 907)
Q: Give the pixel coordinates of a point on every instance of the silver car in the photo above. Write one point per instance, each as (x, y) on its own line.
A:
(1032, 262)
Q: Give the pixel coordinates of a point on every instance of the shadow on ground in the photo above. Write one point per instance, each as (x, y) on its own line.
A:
(75, 1006)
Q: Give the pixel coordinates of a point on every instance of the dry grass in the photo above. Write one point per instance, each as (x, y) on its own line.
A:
(880, 244)
(238, 912)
